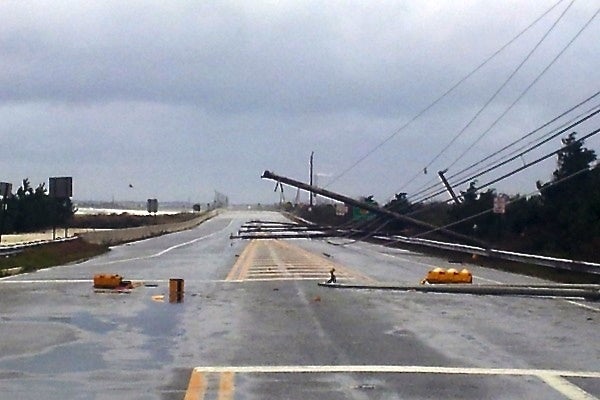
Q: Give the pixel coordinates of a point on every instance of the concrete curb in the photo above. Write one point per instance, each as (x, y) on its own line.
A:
(590, 292)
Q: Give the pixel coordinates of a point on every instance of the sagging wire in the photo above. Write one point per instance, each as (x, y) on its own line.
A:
(426, 190)
(514, 157)
(442, 96)
(537, 78)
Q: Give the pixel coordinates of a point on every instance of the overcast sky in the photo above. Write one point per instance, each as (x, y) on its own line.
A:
(181, 98)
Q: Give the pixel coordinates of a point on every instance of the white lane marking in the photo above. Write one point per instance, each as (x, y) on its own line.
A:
(410, 369)
(583, 305)
(566, 388)
(488, 280)
(366, 249)
(41, 281)
(163, 252)
(30, 281)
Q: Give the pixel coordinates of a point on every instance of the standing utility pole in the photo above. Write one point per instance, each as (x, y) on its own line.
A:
(311, 177)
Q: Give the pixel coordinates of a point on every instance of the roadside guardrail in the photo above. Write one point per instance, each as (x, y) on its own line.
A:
(556, 263)
(17, 248)
(534, 259)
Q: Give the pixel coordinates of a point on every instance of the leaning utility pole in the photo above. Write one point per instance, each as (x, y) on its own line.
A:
(369, 207)
(448, 187)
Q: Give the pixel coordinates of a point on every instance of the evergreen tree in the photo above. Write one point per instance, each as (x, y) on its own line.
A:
(33, 209)
(569, 200)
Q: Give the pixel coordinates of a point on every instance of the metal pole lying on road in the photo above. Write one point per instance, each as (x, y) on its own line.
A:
(369, 207)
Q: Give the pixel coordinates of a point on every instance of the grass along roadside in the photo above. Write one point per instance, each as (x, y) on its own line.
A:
(50, 255)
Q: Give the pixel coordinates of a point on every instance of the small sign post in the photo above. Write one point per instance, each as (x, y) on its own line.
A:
(152, 206)
(5, 192)
(60, 188)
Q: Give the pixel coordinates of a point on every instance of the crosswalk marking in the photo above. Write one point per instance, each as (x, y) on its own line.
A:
(271, 259)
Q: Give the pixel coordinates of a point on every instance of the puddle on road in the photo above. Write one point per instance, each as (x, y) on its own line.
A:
(87, 322)
(160, 324)
(81, 358)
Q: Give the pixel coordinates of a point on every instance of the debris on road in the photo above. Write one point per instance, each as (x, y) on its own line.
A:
(176, 290)
(332, 278)
(113, 283)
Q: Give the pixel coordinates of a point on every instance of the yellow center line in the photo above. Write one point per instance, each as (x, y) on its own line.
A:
(226, 385)
(250, 258)
(196, 387)
(241, 261)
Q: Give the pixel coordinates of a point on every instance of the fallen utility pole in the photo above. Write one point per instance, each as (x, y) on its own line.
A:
(369, 207)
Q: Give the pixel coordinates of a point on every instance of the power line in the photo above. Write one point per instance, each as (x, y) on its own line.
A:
(531, 84)
(442, 96)
(534, 162)
(494, 95)
(546, 140)
(496, 180)
(428, 186)
(529, 134)
(505, 160)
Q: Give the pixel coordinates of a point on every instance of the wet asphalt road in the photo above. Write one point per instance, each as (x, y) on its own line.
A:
(251, 339)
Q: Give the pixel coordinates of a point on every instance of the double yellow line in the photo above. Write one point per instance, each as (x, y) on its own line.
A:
(240, 268)
(200, 383)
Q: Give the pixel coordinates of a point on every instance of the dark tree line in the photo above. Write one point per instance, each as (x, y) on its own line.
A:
(32, 209)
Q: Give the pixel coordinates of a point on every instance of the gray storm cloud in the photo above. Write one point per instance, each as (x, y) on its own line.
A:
(187, 97)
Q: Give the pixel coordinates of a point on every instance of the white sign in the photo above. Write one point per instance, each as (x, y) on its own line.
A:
(500, 203)
(341, 209)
